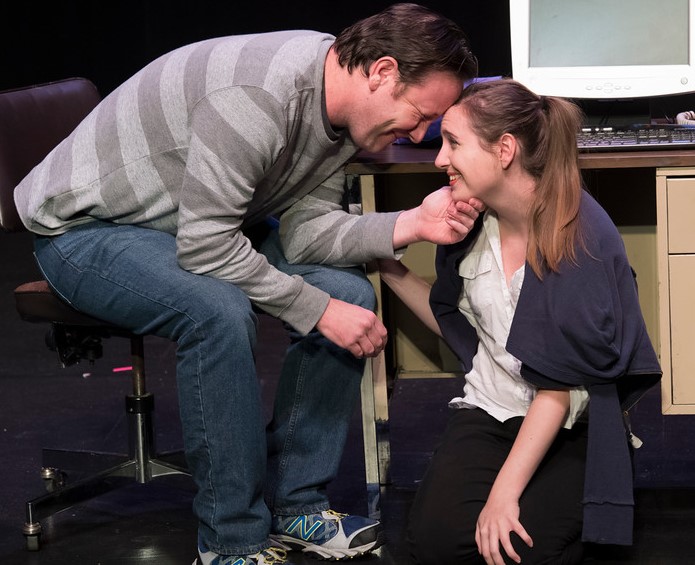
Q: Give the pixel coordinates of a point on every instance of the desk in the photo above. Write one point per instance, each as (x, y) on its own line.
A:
(651, 197)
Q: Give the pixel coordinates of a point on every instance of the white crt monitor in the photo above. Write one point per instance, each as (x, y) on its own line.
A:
(604, 49)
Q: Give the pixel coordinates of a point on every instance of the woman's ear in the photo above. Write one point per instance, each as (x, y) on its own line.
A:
(506, 147)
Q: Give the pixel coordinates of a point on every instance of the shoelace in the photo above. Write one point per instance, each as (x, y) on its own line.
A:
(274, 555)
(335, 514)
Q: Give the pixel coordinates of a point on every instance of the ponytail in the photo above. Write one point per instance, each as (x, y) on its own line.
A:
(553, 218)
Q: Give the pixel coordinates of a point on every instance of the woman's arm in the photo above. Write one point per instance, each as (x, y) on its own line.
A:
(500, 515)
(412, 289)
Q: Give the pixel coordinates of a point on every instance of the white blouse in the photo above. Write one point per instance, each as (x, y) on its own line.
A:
(495, 384)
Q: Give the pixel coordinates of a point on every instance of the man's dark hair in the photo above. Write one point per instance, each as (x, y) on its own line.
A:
(421, 40)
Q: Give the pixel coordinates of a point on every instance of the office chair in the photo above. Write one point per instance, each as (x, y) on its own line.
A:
(32, 121)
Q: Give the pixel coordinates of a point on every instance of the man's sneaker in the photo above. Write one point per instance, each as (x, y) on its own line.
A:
(270, 556)
(327, 535)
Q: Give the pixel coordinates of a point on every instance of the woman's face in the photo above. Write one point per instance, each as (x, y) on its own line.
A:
(474, 170)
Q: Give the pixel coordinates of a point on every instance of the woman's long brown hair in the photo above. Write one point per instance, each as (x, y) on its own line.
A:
(546, 129)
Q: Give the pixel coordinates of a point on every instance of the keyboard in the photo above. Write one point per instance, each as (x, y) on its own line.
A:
(635, 137)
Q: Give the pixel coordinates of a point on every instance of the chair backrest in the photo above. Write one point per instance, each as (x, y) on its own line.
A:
(33, 120)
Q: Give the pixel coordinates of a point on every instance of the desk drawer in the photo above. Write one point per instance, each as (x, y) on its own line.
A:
(681, 215)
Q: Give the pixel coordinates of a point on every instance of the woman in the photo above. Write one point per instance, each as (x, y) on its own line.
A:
(540, 305)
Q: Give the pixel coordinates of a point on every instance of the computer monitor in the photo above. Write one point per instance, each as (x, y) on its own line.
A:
(604, 49)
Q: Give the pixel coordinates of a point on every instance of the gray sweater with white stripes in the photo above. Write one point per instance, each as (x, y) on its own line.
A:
(209, 139)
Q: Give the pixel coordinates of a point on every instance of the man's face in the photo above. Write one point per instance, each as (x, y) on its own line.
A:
(394, 112)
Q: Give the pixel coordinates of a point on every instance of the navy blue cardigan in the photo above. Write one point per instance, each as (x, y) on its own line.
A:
(582, 326)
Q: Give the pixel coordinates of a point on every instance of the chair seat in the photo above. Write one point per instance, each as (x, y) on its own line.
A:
(36, 302)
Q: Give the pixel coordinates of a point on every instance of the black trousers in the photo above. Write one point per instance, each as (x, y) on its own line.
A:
(456, 485)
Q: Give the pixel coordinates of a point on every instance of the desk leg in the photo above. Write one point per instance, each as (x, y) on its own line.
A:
(375, 429)
(371, 453)
(375, 416)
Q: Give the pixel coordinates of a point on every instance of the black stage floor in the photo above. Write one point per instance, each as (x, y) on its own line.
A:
(82, 407)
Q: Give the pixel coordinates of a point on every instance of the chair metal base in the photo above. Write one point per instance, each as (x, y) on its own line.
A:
(104, 472)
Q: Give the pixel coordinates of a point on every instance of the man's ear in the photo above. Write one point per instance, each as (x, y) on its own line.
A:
(382, 71)
(506, 148)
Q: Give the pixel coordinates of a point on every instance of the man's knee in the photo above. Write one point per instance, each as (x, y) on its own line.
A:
(356, 289)
(213, 306)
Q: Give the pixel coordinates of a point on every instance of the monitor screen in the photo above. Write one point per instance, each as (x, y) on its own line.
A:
(604, 49)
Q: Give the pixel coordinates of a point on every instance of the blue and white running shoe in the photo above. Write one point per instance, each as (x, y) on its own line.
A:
(328, 534)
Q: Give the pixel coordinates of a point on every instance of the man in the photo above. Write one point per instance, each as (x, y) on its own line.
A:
(152, 215)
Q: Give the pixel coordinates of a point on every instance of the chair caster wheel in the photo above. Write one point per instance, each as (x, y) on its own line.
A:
(53, 478)
(33, 543)
(32, 534)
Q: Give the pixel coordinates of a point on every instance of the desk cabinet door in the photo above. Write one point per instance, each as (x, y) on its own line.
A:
(682, 311)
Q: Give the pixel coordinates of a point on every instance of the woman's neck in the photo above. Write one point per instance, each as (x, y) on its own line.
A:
(512, 217)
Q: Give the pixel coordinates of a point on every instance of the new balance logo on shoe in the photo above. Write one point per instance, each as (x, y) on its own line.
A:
(298, 527)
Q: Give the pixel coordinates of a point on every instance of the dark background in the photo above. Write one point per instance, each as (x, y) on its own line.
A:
(108, 42)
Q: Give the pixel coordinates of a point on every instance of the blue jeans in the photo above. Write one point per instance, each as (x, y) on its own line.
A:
(244, 472)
